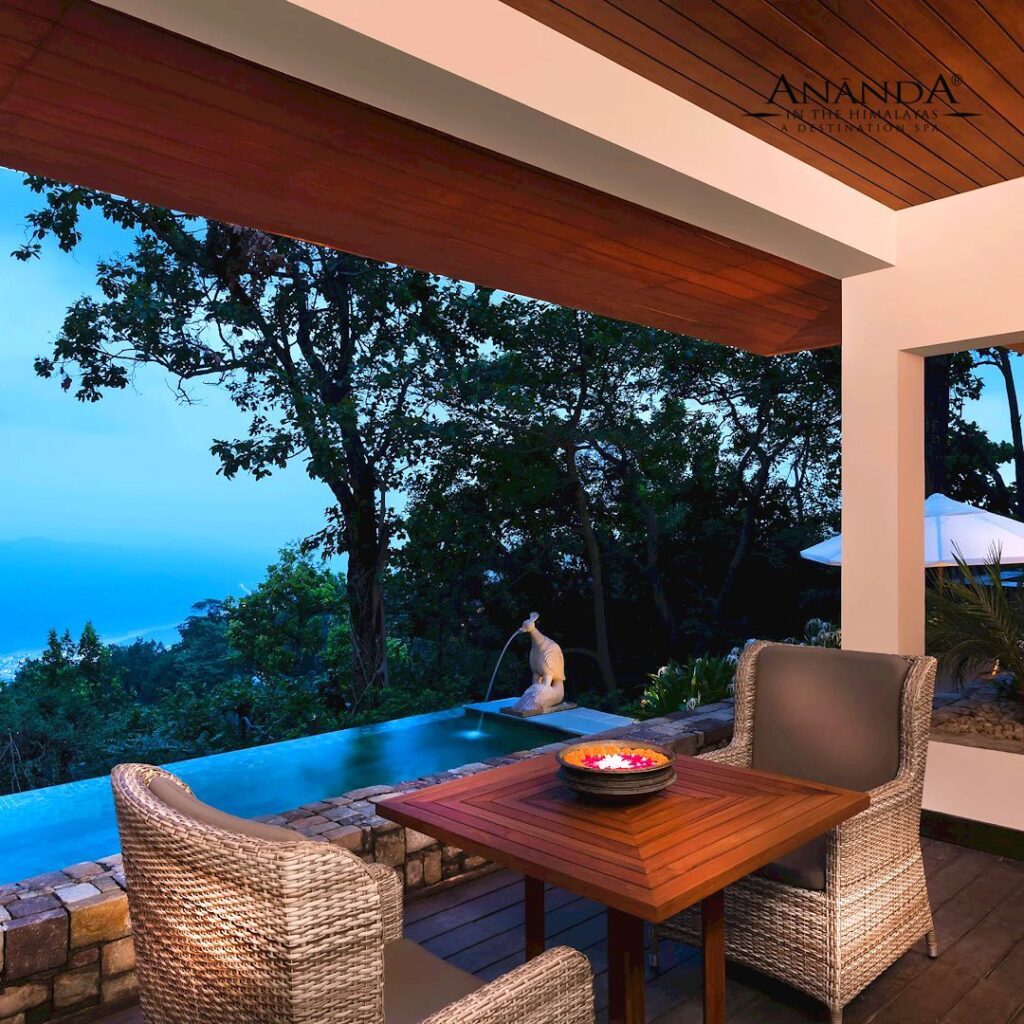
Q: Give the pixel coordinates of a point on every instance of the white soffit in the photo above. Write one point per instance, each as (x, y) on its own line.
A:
(483, 72)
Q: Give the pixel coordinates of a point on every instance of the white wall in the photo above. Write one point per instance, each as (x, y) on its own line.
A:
(971, 782)
(955, 285)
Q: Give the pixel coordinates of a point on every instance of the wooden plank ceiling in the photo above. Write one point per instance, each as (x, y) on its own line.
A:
(92, 96)
(727, 55)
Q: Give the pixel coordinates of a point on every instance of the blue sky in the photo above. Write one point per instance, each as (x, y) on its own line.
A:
(136, 467)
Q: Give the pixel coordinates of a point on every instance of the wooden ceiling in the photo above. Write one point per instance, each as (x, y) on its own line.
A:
(93, 96)
(727, 55)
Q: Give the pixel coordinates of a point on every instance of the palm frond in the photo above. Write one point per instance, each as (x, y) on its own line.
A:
(975, 618)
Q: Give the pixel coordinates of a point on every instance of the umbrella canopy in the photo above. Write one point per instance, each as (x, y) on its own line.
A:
(950, 528)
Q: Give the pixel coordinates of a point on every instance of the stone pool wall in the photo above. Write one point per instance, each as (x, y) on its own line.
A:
(65, 937)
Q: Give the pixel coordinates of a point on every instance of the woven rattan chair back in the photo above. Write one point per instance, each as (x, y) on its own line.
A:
(234, 929)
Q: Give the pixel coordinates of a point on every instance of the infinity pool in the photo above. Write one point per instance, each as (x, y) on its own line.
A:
(47, 829)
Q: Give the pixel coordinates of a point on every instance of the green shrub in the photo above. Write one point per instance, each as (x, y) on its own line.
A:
(675, 687)
(818, 633)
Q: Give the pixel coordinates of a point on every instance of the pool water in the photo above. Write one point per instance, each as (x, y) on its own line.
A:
(47, 829)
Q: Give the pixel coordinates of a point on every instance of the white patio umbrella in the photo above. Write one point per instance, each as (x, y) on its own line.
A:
(950, 528)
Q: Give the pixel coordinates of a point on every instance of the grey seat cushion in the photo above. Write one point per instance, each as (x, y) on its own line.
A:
(827, 716)
(417, 983)
(174, 796)
(804, 867)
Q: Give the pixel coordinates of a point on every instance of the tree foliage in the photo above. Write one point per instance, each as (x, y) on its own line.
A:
(327, 357)
(483, 456)
(66, 716)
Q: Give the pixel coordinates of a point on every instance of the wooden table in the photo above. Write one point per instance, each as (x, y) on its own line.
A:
(644, 861)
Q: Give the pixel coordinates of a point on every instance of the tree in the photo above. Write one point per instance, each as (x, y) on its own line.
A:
(326, 354)
(1000, 358)
(779, 419)
(973, 467)
(959, 459)
(92, 661)
(937, 423)
(145, 669)
(293, 625)
(645, 460)
(203, 656)
(584, 459)
(548, 383)
(264, 667)
(65, 716)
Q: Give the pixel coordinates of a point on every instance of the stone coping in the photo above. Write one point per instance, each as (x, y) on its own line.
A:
(66, 951)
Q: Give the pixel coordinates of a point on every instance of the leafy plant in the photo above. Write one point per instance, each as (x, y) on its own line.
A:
(703, 680)
(976, 618)
(822, 633)
(669, 689)
(817, 633)
(712, 678)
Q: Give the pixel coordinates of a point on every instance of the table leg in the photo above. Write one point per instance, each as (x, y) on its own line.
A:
(625, 968)
(712, 913)
(534, 900)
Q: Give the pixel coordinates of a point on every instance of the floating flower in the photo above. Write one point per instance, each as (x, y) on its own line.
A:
(615, 757)
(611, 761)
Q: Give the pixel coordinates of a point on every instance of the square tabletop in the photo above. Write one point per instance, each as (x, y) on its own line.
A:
(715, 824)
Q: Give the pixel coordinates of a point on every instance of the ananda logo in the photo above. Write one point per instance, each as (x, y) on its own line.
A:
(908, 91)
(863, 105)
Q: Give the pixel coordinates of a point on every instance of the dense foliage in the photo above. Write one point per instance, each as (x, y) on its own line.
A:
(253, 670)
(674, 687)
(481, 455)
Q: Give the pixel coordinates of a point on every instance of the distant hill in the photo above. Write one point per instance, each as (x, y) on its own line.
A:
(125, 591)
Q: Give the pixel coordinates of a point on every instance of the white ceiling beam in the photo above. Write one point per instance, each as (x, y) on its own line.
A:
(485, 73)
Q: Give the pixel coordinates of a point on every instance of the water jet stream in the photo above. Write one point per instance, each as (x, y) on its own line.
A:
(494, 674)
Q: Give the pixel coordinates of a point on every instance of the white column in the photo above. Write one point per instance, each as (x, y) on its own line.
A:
(882, 493)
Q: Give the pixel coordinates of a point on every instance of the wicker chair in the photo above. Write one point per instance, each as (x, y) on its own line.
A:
(829, 917)
(238, 922)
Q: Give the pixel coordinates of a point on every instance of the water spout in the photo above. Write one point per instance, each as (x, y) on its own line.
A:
(494, 674)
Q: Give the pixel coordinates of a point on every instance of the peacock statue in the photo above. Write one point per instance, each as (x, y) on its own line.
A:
(547, 664)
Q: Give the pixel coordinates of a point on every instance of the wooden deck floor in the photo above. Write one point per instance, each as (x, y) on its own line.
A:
(978, 902)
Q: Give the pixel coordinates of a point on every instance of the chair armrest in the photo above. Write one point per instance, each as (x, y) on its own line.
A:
(881, 836)
(389, 886)
(732, 754)
(889, 794)
(556, 987)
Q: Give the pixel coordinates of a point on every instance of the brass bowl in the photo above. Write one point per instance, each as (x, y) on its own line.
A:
(616, 785)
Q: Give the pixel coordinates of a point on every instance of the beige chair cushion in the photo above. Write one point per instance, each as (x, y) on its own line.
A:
(827, 716)
(417, 983)
(174, 796)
